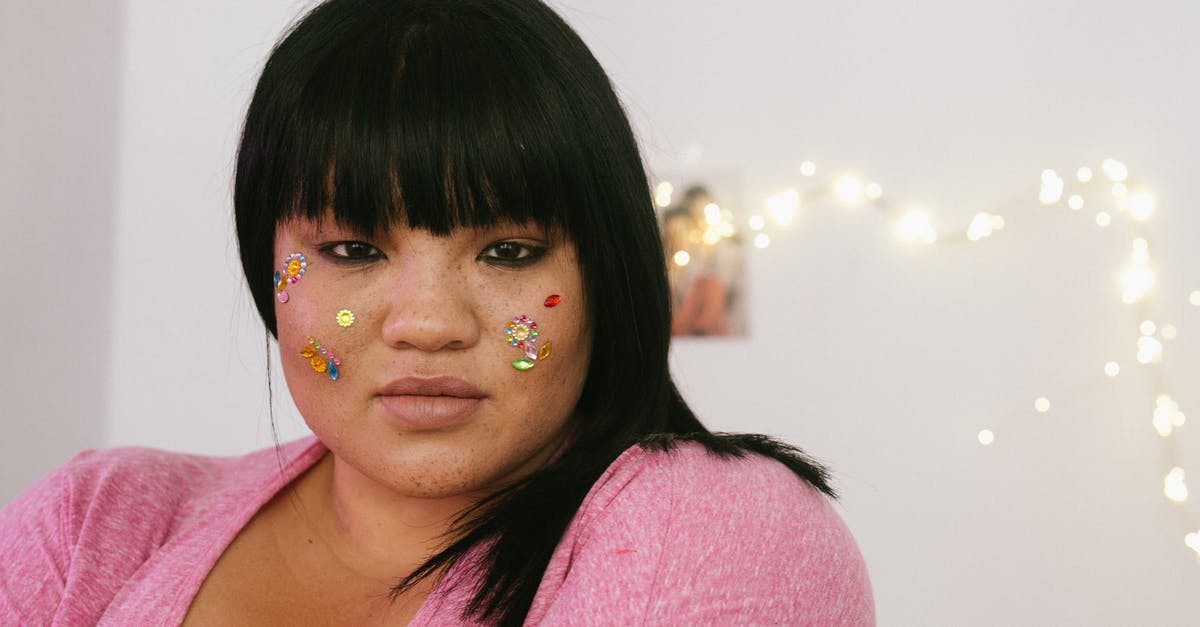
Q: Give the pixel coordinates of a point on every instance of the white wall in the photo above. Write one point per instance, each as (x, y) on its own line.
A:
(60, 78)
(190, 368)
(882, 358)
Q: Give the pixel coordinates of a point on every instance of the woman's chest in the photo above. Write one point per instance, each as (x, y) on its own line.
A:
(272, 575)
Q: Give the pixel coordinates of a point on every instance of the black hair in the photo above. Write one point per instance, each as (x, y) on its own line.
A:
(450, 113)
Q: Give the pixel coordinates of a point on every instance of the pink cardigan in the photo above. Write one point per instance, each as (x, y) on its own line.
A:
(126, 537)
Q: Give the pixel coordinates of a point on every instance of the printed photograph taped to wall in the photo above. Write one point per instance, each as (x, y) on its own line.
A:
(705, 258)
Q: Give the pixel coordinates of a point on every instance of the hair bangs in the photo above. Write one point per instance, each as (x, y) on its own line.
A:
(433, 129)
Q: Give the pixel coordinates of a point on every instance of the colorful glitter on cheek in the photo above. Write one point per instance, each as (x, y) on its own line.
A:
(345, 318)
(294, 267)
(321, 359)
(522, 333)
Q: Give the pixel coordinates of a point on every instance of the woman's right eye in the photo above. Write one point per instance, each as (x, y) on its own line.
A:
(351, 251)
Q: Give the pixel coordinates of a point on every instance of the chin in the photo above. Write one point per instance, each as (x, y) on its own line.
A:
(438, 472)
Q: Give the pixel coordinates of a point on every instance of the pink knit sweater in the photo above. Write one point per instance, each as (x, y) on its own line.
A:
(126, 537)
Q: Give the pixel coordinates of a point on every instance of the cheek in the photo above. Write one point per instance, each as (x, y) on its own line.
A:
(320, 331)
(309, 352)
(548, 340)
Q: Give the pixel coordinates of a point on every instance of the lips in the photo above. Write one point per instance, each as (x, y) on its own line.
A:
(430, 403)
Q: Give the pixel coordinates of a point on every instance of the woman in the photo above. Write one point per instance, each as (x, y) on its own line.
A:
(443, 218)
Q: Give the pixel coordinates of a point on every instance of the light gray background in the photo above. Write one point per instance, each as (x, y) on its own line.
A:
(125, 320)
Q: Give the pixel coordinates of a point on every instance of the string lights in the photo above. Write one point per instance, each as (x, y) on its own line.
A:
(1106, 190)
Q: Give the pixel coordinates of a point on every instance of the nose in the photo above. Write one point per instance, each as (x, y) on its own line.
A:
(430, 308)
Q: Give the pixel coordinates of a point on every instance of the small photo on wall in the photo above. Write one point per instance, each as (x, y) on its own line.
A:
(705, 256)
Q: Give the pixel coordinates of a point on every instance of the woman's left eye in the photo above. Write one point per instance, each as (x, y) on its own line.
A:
(512, 254)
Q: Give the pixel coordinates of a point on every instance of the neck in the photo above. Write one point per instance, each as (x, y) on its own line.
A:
(373, 530)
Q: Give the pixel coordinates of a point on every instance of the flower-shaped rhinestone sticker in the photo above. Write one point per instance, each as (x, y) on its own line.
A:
(522, 333)
(345, 318)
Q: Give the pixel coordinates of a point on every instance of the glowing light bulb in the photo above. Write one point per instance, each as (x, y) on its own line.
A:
(757, 223)
(712, 214)
(986, 437)
(1084, 174)
(1114, 170)
(1167, 411)
(873, 191)
(1112, 369)
(1174, 486)
(1141, 206)
(1052, 187)
(1136, 281)
(1194, 298)
(1149, 350)
(662, 194)
(1103, 219)
(1192, 540)
(981, 226)
(762, 240)
(711, 237)
(1042, 405)
(1168, 331)
(784, 206)
(1147, 327)
(1141, 252)
(1075, 202)
(849, 188)
(1167, 416)
(915, 226)
(808, 168)
(681, 258)
(1162, 423)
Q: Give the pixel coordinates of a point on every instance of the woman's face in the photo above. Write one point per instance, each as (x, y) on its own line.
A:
(427, 401)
